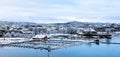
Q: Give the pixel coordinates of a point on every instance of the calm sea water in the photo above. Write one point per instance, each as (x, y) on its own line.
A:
(83, 50)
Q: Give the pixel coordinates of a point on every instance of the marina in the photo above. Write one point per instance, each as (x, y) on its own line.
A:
(67, 43)
(59, 28)
(50, 44)
(85, 43)
(61, 49)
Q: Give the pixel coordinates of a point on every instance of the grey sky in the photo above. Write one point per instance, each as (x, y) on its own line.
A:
(48, 11)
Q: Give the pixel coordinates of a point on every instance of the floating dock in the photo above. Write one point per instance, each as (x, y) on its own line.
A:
(99, 35)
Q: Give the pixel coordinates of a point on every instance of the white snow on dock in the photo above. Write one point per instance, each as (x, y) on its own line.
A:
(12, 40)
(71, 40)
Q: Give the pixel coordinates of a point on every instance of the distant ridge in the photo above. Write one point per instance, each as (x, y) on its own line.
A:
(73, 23)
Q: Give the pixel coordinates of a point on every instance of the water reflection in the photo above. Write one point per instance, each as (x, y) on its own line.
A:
(62, 49)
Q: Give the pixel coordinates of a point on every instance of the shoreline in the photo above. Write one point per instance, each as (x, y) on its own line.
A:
(5, 41)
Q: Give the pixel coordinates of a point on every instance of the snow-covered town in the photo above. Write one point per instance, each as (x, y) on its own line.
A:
(70, 30)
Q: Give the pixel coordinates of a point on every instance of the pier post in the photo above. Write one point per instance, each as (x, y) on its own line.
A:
(97, 41)
(108, 40)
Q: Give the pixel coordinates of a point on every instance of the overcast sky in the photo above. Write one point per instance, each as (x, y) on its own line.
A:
(48, 11)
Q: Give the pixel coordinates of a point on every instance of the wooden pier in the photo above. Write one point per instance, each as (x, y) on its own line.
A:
(99, 35)
(48, 45)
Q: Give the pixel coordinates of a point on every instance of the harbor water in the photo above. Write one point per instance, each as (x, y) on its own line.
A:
(79, 50)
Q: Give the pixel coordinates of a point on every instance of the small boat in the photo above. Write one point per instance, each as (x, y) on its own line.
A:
(40, 38)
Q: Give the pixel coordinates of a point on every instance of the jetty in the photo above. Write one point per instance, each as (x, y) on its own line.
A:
(48, 45)
(8, 41)
(99, 35)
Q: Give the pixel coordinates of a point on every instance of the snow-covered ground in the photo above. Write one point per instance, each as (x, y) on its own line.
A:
(74, 40)
(12, 40)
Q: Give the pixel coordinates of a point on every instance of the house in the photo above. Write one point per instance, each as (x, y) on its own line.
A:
(39, 37)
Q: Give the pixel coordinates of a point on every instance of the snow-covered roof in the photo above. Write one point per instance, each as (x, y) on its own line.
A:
(39, 36)
(57, 34)
(89, 29)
